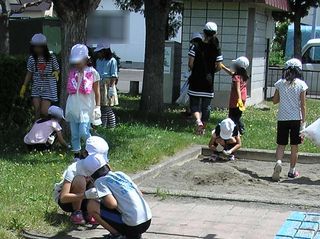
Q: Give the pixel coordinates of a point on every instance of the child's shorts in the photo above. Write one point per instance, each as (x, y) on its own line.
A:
(289, 128)
(67, 207)
(114, 219)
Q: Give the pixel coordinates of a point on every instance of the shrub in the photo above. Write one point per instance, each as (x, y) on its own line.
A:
(13, 109)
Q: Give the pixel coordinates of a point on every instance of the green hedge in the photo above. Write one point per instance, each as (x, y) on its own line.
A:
(14, 111)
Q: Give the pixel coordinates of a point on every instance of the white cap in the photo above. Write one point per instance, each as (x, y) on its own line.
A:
(38, 40)
(88, 166)
(196, 35)
(293, 63)
(242, 62)
(56, 111)
(226, 128)
(101, 47)
(79, 52)
(211, 26)
(97, 145)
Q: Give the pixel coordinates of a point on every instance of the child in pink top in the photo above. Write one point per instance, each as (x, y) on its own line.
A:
(45, 131)
(238, 94)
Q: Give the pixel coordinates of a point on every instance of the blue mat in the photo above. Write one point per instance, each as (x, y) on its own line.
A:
(300, 225)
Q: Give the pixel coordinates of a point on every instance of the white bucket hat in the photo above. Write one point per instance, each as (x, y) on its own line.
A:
(56, 111)
(226, 128)
(98, 147)
(79, 52)
(293, 63)
(242, 62)
(38, 40)
(88, 166)
(101, 47)
(211, 26)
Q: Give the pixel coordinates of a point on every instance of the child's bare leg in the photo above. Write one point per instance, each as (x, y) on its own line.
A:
(78, 185)
(280, 152)
(232, 141)
(294, 156)
(36, 105)
(94, 210)
(44, 106)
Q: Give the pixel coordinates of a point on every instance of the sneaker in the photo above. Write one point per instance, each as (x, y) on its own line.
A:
(295, 174)
(110, 236)
(231, 157)
(277, 171)
(90, 220)
(77, 218)
(214, 157)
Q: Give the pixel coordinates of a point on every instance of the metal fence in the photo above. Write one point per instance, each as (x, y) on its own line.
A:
(312, 78)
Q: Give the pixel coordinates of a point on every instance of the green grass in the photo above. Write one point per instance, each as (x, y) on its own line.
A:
(140, 140)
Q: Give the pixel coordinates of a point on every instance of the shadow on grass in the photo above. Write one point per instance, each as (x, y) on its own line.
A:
(56, 219)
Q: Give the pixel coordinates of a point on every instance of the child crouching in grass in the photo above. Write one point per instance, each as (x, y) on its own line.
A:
(70, 194)
(225, 139)
(45, 130)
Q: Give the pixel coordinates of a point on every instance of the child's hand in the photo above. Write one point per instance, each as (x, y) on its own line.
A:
(240, 105)
(22, 91)
(55, 74)
(227, 152)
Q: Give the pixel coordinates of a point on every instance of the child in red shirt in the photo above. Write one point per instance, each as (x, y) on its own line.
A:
(238, 94)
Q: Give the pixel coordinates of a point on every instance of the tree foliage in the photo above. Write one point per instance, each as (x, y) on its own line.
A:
(174, 17)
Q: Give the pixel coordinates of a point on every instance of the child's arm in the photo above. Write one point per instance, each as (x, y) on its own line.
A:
(96, 89)
(110, 202)
(226, 69)
(23, 89)
(237, 83)
(61, 139)
(237, 145)
(276, 97)
(303, 109)
(212, 141)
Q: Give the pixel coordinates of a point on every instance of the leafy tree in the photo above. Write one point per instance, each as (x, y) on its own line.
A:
(73, 15)
(161, 23)
(298, 10)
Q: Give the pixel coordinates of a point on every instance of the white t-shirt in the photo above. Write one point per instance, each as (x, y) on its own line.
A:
(131, 204)
(68, 176)
(80, 107)
(290, 104)
(40, 132)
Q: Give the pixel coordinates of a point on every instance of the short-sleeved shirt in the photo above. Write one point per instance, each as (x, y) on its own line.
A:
(205, 57)
(132, 206)
(107, 68)
(290, 101)
(234, 134)
(80, 107)
(68, 176)
(234, 94)
(41, 130)
(44, 84)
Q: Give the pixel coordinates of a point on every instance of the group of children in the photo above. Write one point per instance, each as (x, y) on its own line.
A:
(205, 59)
(91, 94)
(94, 194)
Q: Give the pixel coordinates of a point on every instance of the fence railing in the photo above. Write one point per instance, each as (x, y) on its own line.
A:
(312, 78)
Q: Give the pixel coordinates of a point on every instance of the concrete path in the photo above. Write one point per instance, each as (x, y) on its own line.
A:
(177, 218)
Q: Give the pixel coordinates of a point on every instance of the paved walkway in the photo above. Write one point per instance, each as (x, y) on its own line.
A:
(177, 218)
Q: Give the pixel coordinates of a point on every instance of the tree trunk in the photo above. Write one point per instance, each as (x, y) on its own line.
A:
(156, 15)
(297, 37)
(4, 34)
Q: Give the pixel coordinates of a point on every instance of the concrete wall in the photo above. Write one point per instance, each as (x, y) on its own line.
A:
(238, 36)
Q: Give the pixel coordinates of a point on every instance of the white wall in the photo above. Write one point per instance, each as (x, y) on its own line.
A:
(133, 50)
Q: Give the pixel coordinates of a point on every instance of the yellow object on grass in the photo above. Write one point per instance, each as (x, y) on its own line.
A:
(240, 105)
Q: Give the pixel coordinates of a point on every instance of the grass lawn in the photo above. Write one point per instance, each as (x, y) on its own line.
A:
(26, 179)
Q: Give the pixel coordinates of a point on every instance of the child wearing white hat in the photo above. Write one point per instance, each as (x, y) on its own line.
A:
(83, 103)
(122, 210)
(43, 71)
(290, 94)
(238, 94)
(70, 194)
(107, 66)
(45, 130)
(225, 139)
